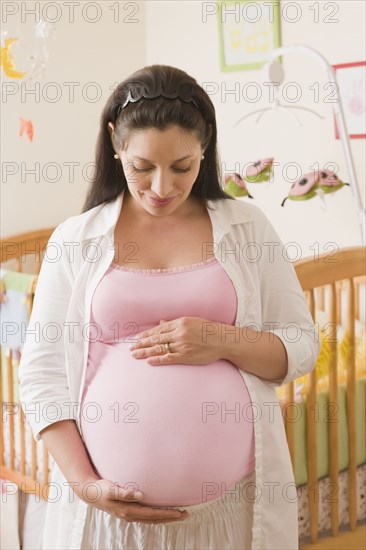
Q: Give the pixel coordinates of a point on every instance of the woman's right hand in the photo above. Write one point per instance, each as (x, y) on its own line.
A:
(123, 503)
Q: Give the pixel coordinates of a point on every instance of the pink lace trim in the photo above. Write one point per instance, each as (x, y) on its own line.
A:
(166, 269)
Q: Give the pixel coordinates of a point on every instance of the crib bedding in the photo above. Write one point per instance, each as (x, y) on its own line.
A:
(324, 517)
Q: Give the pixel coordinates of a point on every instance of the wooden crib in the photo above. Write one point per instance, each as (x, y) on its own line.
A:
(14, 253)
(323, 280)
(342, 272)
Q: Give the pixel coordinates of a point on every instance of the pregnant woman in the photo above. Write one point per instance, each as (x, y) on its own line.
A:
(178, 442)
(170, 434)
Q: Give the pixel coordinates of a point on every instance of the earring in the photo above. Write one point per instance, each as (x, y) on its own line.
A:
(203, 156)
(116, 156)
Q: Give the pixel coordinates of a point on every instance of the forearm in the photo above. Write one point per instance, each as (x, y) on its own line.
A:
(63, 441)
(260, 353)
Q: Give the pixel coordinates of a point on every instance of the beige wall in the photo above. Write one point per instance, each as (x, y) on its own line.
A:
(177, 33)
(277, 135)
(91, 56)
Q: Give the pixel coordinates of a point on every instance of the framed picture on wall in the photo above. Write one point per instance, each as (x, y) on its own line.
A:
(351, 79)
(248, 31)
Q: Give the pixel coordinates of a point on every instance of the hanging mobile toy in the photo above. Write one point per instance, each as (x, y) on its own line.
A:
(329, 181)
(259, 171)
(26, 126)
(7, 62)
(235, 186)
(314, 183)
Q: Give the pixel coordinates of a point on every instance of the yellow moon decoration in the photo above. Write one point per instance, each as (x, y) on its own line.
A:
(7, 62)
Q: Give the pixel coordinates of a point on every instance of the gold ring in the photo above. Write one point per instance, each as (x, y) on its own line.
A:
(167, 347)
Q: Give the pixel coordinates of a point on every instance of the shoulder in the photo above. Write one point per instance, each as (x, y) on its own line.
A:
(80, 226)
(239, 211)
(247, 222)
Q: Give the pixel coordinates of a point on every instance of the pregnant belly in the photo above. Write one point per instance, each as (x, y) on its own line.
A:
(181, 434)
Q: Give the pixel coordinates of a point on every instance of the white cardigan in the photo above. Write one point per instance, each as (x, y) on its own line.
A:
(54, 357)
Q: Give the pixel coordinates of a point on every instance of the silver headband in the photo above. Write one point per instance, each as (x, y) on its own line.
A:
(131, 99)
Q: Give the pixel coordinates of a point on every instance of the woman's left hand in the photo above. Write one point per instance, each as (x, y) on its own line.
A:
(192, 341)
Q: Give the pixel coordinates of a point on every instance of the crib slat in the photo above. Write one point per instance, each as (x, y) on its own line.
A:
(313, 488)
(22, 440)
(351, 405)
(339, 288)
(10, 407)
(311, 303)
(34, 460)
(2, 410)
(357, 298)
(311, 443)
(45, 464)
(358, 282)
(38, 264)
(320, 294)
(289, 422)
(22, 434)
(333, 408)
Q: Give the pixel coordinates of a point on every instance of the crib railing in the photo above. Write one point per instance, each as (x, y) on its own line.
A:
(322, 282)
(15, 253)
(36, 482)
(19, 248)
(344, 271)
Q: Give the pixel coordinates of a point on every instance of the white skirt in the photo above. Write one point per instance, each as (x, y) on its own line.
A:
(221, 524)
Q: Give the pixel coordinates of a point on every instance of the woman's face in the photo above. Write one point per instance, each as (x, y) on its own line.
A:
(162, 166)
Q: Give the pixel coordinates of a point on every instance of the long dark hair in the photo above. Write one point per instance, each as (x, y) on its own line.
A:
(158, 113)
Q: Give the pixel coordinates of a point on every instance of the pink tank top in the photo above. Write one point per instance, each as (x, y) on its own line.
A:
(182, 434)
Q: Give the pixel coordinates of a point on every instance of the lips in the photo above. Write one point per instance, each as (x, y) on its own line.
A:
(157, 202)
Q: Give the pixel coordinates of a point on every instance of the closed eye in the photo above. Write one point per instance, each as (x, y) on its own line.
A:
(179, 170)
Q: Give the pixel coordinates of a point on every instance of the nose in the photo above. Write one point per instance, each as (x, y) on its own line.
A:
(161, 185)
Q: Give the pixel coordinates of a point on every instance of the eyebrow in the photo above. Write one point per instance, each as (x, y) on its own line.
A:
(178, 160)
